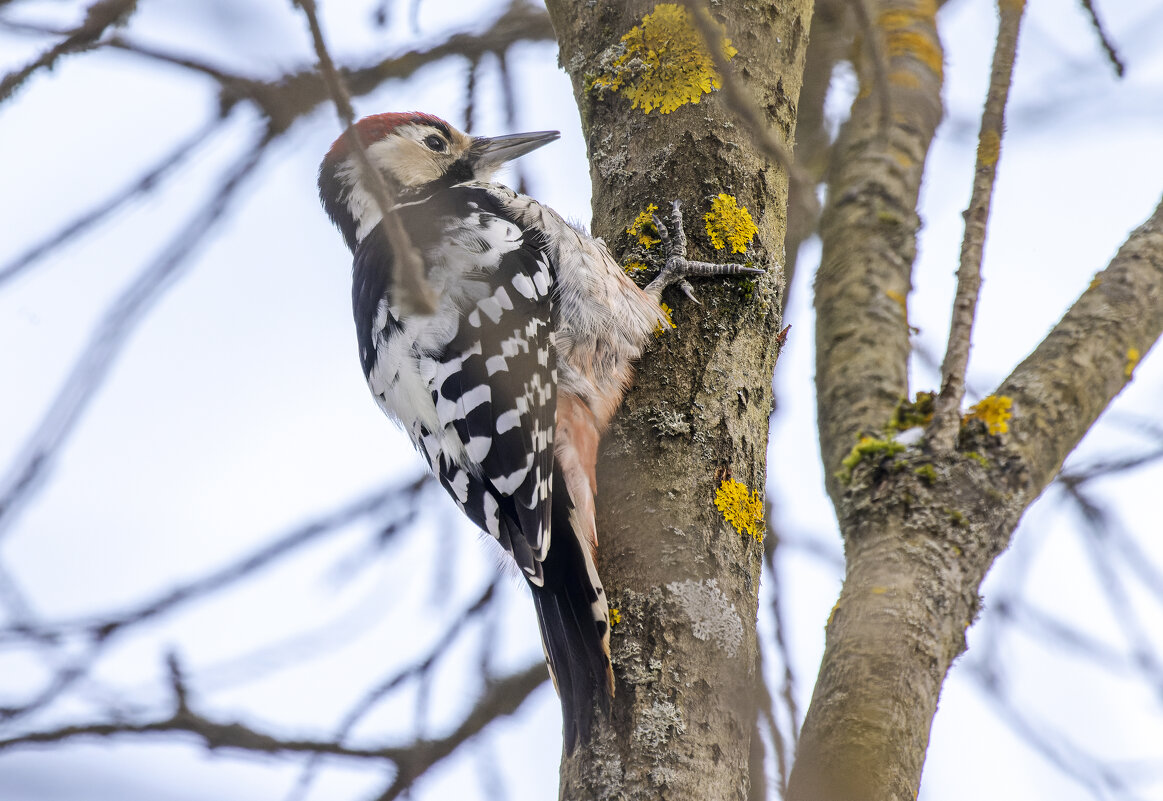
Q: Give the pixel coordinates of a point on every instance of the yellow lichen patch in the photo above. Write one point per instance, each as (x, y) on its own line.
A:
(659, 327)
(1133, 357)
(904, 79)
(896, 19)
(615, 617)
(919, 46)
(926, 473)
(902, 39)
(977, 457)
(664, 63)
(742, 508)
(994, 411)
(729, 224)
(1095, 282)
(632, 267)
(989, 148)
(643, 223)
(867, 447)
(899, 299)
(909, 414)
(879, 590)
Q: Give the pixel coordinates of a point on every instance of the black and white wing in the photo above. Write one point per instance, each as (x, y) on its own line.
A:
(482, 368)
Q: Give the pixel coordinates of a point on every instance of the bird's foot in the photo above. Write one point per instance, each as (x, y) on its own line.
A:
(678, 267)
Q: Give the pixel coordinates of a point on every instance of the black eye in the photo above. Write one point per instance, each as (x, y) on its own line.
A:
(435, 143)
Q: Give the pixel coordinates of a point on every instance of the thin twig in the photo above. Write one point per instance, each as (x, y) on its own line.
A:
(370, 699)
(1050, 631)
(470, 94)
(178, 683)
(502, 697)
(17, 606)
(412, 290)
(788, 683)
(99, 631)
(295, 94)
(875, 46)
(801, 186)
(100, 16)
(509, 95)
(1071, 760)
(112, 332)
(65, 675)
(119, 42)
(1107, 45)
(102, 627)
(140, 188)
(947, 409)
(772, 542)
(1122, 607)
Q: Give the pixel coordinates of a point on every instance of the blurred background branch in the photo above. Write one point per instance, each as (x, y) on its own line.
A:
(172, 308)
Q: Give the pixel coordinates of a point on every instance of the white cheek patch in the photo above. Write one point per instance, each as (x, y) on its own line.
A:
(405, 159)
(400, 156)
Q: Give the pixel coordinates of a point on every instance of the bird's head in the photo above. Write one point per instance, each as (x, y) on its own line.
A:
(416, 154)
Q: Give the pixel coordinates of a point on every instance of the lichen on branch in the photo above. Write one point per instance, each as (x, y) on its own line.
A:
(662, 63)
(642, 225)
(742, 508)
(729, 224)
(994, 411)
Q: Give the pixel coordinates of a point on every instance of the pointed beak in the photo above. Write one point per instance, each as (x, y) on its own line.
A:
(493, 151)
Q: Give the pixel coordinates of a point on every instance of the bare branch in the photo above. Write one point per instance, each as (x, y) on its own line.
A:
(874, 40)
(25, 476)
(783, 750)
(947, 408)
(411, 289)
(100, 16)
(800, 184)
(787, 685)
(1070, 378)
(98, 632)
(501, 698)
(140, 188)
(1063, 636)
(287, 97)
(1111, 54)
(868, 231)
(1098, 777)
(831, 34)
(385, 688)
(177, 683)
(64, 677)
(102, 627)
(470, 95)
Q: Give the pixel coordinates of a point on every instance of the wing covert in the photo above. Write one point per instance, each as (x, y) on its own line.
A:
(493, 383)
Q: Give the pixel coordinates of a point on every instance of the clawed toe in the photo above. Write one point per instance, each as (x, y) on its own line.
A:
(678, 267)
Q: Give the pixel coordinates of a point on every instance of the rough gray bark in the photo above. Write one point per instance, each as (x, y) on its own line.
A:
(922, 528)
(869, 234)
(922, 525)
(685, 581)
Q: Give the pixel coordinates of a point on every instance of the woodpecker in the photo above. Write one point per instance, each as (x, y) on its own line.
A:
(507, 386)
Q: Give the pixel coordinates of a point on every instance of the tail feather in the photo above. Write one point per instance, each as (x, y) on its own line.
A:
(574, 618)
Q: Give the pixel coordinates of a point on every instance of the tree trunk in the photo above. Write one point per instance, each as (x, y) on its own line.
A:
(684, 581)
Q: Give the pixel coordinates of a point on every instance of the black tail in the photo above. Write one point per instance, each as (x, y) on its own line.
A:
(574, 618)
